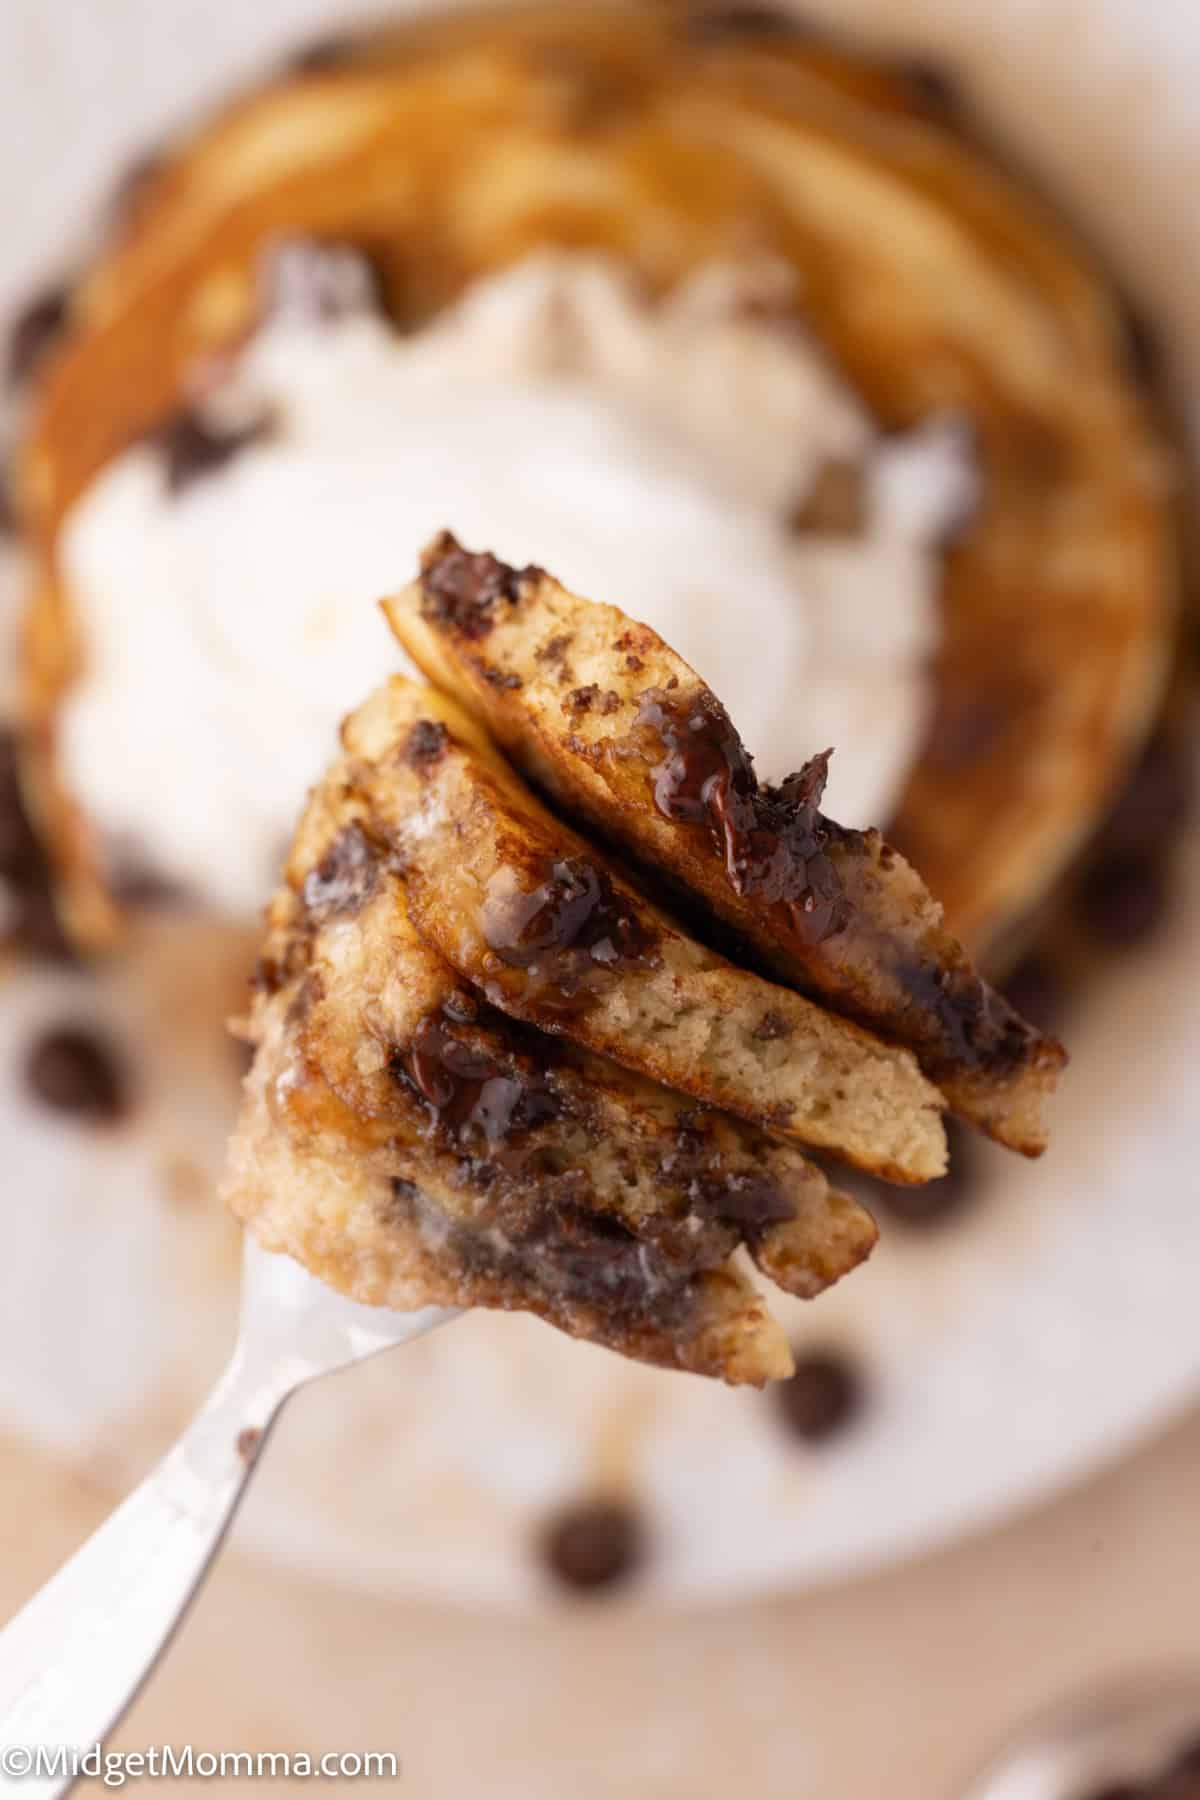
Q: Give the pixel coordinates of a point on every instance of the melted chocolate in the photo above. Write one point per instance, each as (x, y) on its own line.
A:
(746, 1203)
(573, 1256)
(463, 588)
(977, 1028)
(567, 930)
(773, 839)
(468, 1091)
(344, 878)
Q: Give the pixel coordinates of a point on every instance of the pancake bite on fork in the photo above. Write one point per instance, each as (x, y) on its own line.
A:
(492, 1068)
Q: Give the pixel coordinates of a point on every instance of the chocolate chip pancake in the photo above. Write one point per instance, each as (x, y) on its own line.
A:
(451, 149)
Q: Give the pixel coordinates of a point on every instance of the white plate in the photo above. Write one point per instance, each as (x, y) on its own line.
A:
(1006, 1356)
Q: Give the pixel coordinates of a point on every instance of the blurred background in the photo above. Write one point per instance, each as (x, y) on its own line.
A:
(512, 1561)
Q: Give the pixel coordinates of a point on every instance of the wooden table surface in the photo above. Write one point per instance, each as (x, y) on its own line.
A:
(893, 1686)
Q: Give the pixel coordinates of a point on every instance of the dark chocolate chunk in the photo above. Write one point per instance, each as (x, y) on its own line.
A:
(1035, 988)
(936, 1202)
(344, 878)
(1124, 899)
(463, 588)
(34, 330)
(426, 741)
(567, 929)
(771, 1027)
(74, 1070)
(822, 1397)
(747, 1203)
(773, 839)
(594, 1544)
(195, 445)
(468, 1089)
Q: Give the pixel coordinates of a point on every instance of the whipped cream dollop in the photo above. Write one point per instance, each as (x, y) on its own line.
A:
(655, 454)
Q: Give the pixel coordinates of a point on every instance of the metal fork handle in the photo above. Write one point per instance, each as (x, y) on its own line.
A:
(77, 1654)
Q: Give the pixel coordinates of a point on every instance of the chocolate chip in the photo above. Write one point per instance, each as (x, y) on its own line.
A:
(1124, 899)
(323, 53)
(194, 446)
(821, 1398)
(465, 589)
(1036, 989)
(836, 503)
(132, 184)
(34, 330)
(594, 1544)
(771, 1027)
(425, 743)
(73, 1070)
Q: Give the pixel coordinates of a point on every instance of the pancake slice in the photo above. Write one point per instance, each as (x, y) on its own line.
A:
(551, 931)
(620, 732)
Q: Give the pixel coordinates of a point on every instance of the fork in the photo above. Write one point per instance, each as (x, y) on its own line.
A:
(77, 1654)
